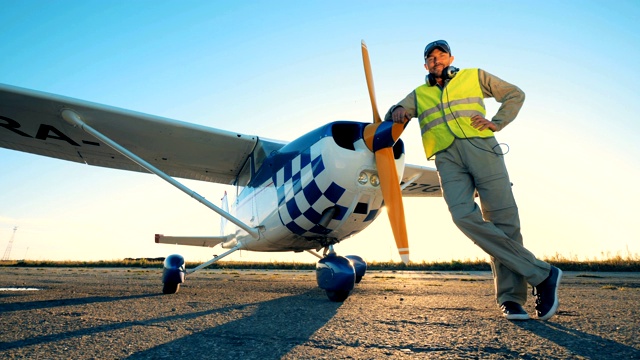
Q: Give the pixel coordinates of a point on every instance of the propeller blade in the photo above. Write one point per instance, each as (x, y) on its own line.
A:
(369, 76)
(392, 196)
(380, 138)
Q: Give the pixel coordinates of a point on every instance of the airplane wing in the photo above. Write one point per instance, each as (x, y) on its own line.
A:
(30, 121)
(420, 181)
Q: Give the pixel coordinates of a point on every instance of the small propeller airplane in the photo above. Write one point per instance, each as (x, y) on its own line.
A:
(305, 195)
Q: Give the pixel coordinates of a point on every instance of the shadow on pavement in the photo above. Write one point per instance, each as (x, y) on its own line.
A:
(37, 340)
(579, 342)
(273, 329)
(45, 304)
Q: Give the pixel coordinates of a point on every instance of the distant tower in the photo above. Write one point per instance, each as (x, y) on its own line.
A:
(7, 251)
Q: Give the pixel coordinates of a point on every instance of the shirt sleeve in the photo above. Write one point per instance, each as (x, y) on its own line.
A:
(409, 105)
(509, 96)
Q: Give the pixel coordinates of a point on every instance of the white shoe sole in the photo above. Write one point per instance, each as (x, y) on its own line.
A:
(517, 316)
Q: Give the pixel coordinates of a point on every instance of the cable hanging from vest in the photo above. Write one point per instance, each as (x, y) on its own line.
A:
(493, 149)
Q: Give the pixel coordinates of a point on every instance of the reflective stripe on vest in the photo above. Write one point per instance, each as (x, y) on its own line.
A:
(445, 116)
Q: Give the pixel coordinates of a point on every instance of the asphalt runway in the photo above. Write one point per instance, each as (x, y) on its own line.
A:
(93, 313)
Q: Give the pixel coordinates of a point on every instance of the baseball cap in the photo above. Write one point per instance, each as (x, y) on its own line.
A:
(440, 44)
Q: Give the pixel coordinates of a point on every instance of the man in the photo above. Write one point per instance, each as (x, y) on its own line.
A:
(469, 160)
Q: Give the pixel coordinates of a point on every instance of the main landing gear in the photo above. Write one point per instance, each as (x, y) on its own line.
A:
(173, 274)
(337, 275)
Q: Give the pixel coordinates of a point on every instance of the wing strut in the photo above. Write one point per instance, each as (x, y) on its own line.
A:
(215, 259)
(409, 181)
(74, 119)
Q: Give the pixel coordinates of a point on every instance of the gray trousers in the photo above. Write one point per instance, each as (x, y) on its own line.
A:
(470, 165)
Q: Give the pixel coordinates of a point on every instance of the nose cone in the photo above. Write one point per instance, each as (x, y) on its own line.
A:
(382, 135)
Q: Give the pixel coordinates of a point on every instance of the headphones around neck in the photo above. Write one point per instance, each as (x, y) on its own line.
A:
(447, 73)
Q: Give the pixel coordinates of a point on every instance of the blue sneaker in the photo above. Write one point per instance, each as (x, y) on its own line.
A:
(546, 294)
(513, 311)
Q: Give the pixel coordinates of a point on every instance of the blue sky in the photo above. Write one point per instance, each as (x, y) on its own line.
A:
(280, 68)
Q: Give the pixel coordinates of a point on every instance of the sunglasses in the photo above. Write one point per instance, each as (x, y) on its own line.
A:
(434, 44)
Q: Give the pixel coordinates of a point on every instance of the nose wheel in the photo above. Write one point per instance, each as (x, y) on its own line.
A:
(337, 275)
(337, 296)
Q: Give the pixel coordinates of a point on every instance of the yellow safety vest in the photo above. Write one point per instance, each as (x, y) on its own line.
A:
(445, 114)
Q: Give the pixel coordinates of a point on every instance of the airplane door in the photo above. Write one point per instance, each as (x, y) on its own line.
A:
(245, 199)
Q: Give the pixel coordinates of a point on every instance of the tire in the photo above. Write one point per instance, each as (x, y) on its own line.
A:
(337, 296)
(170, 288)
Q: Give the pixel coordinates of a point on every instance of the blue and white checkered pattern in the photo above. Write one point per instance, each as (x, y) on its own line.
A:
(305, 190)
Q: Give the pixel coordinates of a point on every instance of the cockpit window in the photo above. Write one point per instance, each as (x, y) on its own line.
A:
(245, 175)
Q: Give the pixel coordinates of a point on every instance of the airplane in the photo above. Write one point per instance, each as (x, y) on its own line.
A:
(304, 195)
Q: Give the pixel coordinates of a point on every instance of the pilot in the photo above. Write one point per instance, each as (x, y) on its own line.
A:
(452, 117)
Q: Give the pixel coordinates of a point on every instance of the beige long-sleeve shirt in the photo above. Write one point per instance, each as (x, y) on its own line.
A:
(509, 96)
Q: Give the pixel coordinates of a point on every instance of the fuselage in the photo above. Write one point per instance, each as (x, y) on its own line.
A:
(313, 192)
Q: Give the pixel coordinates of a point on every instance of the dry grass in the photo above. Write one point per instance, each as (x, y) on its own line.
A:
(628, 262)
(623, 263)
